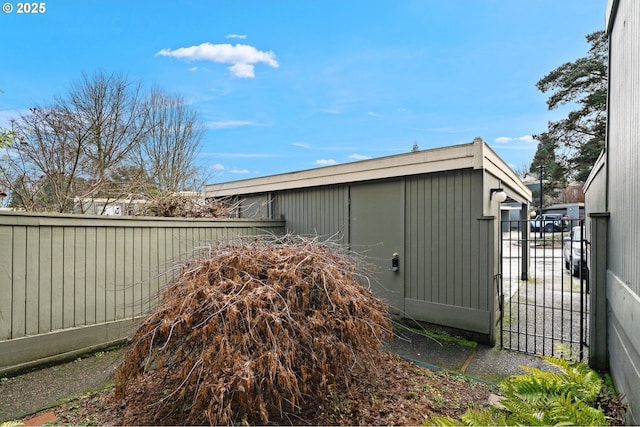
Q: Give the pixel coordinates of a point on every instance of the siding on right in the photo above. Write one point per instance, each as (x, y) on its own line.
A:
(614, 189)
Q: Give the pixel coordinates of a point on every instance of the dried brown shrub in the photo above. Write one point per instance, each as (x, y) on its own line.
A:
(256, 332)
(188, 206)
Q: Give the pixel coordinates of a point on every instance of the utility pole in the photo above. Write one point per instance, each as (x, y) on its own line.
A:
(541, 222)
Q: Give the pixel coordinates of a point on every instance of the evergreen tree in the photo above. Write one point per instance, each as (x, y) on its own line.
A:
(582, 82)
(553, 170)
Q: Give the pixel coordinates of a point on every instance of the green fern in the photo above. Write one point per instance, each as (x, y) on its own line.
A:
(445, 422)
(567, 395)
(567, 410)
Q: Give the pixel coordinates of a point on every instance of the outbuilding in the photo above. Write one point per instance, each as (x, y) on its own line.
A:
(429, 221)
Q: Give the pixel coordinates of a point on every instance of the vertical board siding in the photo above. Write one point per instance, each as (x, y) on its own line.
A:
(31, 276)
(91, 288)
(44, 279)
(320, 211)
(19, 277)
(6, 274)
(624, 143)
(74, 272)
(444, 235)
(620, 181)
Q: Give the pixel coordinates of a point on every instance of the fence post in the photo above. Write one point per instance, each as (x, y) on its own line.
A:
(523, 228)
(598, 347)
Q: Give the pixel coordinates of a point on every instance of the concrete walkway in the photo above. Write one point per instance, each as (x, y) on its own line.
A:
(32, 392)
(446, 351)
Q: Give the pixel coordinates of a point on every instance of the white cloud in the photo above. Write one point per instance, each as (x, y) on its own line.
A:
(242, 57)
(239, 171)
(217, 167)
(356, 156)
(193, 69)
(373, 114)
(237, 36)
(245, 71)
(302, 145)
(225, 124)
(505, 139)
(325, 162)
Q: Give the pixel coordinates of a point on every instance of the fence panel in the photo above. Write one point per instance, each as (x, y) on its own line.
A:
(545, 300)
(66, 272)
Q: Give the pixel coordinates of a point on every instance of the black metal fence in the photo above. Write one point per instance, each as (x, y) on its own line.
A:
(544, 288)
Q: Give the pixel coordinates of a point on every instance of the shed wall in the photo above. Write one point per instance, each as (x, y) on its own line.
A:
(446, 243)
(449, 256)
(624, 143)
(255, 207)
(317, 211)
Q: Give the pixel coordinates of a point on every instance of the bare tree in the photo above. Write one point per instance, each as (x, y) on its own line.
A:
(521, 170)
(106, 138)
(171, 144)
(110, 109)
(42, 166)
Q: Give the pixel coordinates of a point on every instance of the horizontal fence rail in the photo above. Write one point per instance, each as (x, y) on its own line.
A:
(64, 272)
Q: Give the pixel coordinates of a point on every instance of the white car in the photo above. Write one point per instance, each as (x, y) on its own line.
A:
(574, 250)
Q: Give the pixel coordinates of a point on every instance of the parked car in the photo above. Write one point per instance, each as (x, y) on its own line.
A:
(548, 222)
(575, 253)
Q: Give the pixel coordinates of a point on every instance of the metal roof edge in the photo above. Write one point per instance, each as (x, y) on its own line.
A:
(610, 15)
(473, 155)
(595, 170)
(493, 164)
(453, 157)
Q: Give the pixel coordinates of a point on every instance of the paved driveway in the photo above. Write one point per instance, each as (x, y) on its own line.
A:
(541, 315)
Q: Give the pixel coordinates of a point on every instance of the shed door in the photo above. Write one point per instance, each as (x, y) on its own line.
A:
(377, 231)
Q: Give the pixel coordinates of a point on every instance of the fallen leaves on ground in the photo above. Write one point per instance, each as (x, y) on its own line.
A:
(400, 393)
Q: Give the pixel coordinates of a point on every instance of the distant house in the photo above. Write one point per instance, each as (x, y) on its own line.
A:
(612, 199)
(428, 221)
(572, 210)
(127, 206)
(532, 181)
(108, 207)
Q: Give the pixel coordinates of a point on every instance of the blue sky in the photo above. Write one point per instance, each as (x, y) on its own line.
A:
(286, 85)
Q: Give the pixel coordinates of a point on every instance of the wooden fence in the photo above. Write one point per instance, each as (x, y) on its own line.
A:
(69, 283)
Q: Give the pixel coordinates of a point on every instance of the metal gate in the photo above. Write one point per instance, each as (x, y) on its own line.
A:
(544, 288)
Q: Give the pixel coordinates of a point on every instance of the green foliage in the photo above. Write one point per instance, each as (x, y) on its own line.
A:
(6, 137)
(570, 394)
(554, 170)
(582, 82)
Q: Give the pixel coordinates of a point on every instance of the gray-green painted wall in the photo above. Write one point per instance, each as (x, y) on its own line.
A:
(321, 211)
(450, 251)
(621, 183)
(70, 273)
(449, 255)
